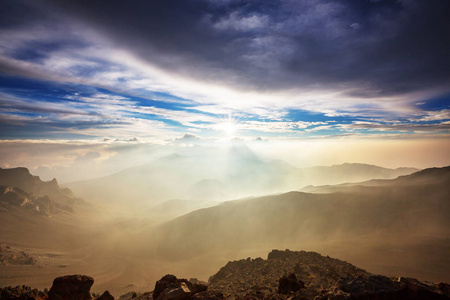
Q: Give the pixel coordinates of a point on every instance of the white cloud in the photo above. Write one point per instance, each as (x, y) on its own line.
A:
(236, 21)
(276, 126)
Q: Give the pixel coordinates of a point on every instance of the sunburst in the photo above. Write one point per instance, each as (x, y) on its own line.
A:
(228, 127)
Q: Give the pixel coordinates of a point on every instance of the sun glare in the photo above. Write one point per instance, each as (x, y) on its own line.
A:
(228, 127)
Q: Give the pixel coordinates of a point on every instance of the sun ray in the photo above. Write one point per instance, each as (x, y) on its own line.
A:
(228, 127)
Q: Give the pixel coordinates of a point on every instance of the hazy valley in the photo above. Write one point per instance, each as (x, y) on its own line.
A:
(129, 229)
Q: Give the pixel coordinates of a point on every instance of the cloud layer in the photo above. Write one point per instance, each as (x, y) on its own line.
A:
(73, 69)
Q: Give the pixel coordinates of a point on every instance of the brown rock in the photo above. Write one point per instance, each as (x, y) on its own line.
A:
(170, 287)
(208, 295)
(106, 296)
(177, 291)
(20, 293)
(289, 284)
(71, 287)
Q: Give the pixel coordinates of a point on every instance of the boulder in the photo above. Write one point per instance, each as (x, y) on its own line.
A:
(71, 287)
(170, 287)
(376, 286)
(163, 284)
(289, 284)
(106, 296)
(176, 291)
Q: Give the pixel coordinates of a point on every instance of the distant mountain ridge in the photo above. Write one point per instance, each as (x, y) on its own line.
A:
(355, 171)
(11, 197)
(22, 178)
(428, 176)
(19, 188)
(232, 174)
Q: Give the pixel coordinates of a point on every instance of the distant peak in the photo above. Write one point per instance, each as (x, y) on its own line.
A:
(357, 164)
(242, 151)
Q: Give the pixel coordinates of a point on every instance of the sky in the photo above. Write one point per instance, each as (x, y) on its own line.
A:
(74, 74)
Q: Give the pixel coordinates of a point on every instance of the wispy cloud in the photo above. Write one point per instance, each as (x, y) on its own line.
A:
(181, 68)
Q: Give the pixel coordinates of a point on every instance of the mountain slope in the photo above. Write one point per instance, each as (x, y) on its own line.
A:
(427, 178)
(399, 213)
(347, 172)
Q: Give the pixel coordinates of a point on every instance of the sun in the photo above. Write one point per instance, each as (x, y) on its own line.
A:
(228, 127)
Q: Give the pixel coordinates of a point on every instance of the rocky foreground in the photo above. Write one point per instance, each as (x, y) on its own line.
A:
(284, 275)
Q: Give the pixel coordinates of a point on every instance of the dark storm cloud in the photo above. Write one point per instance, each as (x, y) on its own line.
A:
(370, 48)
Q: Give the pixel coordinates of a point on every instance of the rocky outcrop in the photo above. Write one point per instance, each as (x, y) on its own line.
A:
(170, 287)
(21, 293)
(290, 284)
(11, 256)
(208, 295)
(373, 286)
(106, 296)
(317, 272)
(20, 188)
(378, 287)
(11, 197)
(21, 178)
(311, 277)
(71, 287)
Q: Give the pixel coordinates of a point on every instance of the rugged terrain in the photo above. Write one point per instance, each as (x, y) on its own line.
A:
(18, 188)
(283, 275)
(389, 227)
(12, 256)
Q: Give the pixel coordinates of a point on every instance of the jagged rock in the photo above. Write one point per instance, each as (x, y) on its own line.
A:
(290, 284)
(20, 293)
(71, 287)
(196, 281)
(170, 287)
(382, 287)
(444, 288)
(106, 296)
(425, 290)
(208, 295)
(279, 254)
(163, 284)
(21, 189)
(15, 197)
(137, 296)
(368, 285)
(317, 272)
(253, 279)
(11, 256)
(176, 291)
(21, 178)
